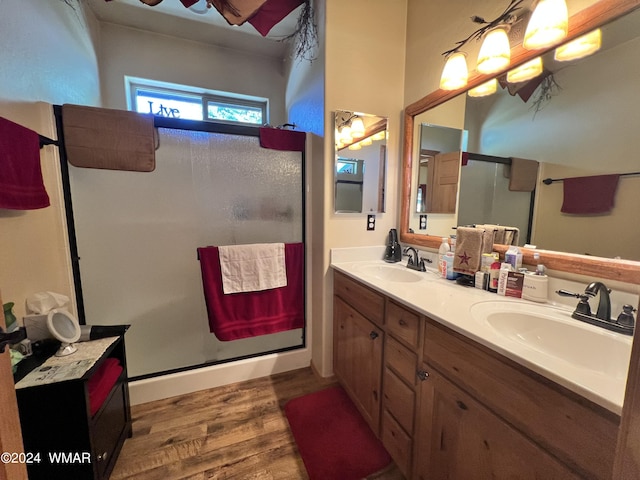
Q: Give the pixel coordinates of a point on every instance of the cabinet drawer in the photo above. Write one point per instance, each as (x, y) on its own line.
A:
(108, 428)
(397, 443)
(366, 301)
(399, 400)
(578, 432)
(402, 360)
(403, 324)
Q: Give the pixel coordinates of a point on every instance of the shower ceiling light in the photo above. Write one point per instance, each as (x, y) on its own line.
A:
(580, 47)
(548, 24)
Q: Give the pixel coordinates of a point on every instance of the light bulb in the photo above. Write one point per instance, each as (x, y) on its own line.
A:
(484, 89)
(495, 52)
(357, 128)
(455, 73)
(526, 71)
(365, 142)
(580, 47)
(355, 146)
(548, 24)
(345, 134)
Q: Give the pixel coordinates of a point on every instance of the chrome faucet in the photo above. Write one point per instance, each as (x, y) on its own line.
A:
(602, 318)
(415, 262)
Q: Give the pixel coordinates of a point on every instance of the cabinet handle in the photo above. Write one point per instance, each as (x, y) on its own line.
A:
(422, 375)
(373, 335)
(402, 323)
(102, 456)
(461, 405)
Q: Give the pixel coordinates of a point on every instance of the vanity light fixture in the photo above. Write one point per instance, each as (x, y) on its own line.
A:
(455, 74)
(357, 128)
(365, 142)
(345, 134)
(355, 146)
(548, 25)
(495, 52)
(580, 47)
(380, 135)
(484, 89)
(526, 71)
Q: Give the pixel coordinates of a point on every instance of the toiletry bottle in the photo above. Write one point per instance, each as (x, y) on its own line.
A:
(494, 273)
(448, 266)
(444, 248)
(503, 275)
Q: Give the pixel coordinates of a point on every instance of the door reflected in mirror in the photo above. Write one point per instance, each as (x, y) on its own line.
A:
(360, 162)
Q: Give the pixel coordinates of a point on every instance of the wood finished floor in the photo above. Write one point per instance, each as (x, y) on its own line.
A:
(237, 431)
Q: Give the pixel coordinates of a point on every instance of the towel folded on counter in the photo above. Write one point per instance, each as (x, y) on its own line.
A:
(249, 314)
(253, 267)
(593, 195)
(469, 249)
(21, 183)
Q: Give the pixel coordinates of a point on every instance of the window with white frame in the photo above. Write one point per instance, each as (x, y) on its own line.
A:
(176, 101)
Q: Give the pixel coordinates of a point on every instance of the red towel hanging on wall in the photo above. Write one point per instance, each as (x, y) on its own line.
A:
(589, 195)
(21, 183)
(250, 314)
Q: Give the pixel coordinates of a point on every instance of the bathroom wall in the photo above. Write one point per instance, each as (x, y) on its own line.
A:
(364, 72)
(135, 53)
(47, 56)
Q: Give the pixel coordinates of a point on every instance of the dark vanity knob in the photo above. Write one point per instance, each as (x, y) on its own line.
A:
(373, 335)
(423, 375)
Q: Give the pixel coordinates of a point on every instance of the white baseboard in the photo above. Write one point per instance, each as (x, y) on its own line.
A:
(165, 386)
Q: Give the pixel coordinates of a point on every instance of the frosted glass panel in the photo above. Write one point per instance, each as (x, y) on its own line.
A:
(137, 237)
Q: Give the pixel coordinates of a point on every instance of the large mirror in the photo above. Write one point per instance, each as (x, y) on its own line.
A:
(583, 129)
(360, 162)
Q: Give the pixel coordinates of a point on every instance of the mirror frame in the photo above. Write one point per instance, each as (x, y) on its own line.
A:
(582, 22)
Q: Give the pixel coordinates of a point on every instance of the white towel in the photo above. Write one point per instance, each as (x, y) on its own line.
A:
(251, 268)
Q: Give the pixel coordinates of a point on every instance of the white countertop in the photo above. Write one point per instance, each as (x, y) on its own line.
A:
(450, 304)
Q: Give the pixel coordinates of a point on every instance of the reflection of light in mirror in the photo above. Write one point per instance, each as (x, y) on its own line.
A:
(548, 25)
(484, 89)
(526, 71)
(380, 135)
(355, 146)
(345, 134)
(495, 52)
(366, 142)
(357, 128)
(455, 73)
(580, 47)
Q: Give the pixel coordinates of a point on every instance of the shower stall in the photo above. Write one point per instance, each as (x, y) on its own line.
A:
(136, 236)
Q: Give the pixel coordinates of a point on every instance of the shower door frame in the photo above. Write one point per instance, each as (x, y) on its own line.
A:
(173, 124)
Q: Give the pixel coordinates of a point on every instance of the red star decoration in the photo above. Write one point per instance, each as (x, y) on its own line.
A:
(464, 258)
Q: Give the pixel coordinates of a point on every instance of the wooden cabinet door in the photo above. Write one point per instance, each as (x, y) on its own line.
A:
(358, 360)
(459, 439)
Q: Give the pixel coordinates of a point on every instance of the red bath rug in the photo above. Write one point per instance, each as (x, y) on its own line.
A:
(334, 441)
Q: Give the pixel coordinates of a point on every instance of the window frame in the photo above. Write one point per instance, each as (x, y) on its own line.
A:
(134, 85)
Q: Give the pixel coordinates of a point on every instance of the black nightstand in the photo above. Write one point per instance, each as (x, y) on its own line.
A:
(63, 437)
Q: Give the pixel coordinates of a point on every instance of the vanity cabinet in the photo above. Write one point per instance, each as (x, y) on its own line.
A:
(578, 433)
(459, 438)
(58, 424)
(447, 407)
(358, 347)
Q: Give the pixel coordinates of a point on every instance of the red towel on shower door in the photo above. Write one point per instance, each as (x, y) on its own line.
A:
(249, 314)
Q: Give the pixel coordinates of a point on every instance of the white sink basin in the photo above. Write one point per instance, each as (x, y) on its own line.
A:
(391, 273)
(552, 332)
